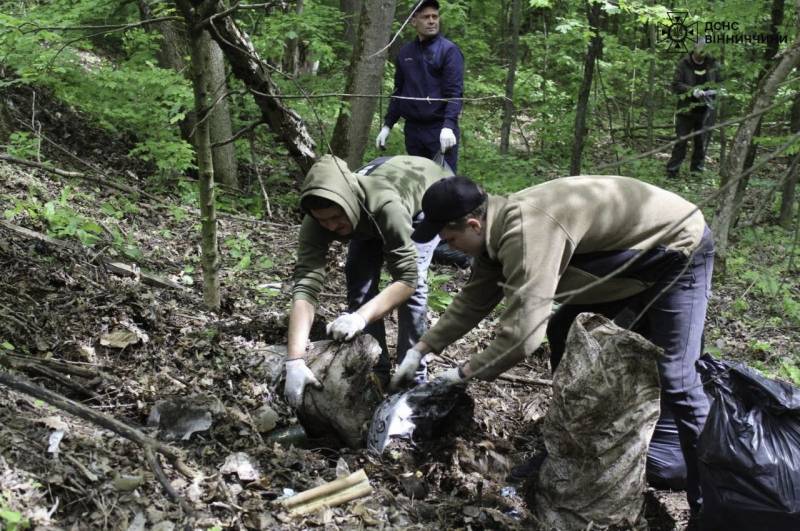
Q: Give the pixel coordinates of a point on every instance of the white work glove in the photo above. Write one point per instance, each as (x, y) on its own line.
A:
(698, 93)
(407, 370)
(346, 326)
(447, 139)
(450, 377)
(298, 375)
(380, 141)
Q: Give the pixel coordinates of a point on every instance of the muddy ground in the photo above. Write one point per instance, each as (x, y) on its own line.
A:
(120, 346)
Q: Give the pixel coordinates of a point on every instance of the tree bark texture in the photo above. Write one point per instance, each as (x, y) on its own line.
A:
(513, 56)
(365, 76)
(174, 47)
(352, 14)
(201, 64)
(651, 83)
(246, 64)
(292, 56)
(593, 13)
(776, 19)
(220, 128)
(734, 164)
(789, 193)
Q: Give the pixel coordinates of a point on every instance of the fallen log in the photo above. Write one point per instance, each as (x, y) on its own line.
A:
(117, 268)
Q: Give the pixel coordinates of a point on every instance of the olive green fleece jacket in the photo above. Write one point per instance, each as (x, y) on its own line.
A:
(380, 205)
(532, 235)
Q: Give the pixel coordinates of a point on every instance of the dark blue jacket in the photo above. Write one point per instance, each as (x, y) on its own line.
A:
(435, 69)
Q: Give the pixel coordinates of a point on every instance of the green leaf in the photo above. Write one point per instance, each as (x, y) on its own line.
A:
(244, 263)
(6, 345)
(265, 263)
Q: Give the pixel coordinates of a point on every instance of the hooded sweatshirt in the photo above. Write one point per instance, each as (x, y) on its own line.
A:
(380, 201)
(547, 240)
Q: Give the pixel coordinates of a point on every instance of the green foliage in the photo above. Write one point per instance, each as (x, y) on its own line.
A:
(790, 371)
(766, 278)
(130, 95)
(11, 520)
(63, 221)
(243, 250)
(438, 298)
(23, 145)
(317, 27)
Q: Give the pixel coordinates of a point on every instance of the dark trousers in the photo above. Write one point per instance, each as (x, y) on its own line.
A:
(422, 140)
(363, 273)
(674, 317)
(686, 123)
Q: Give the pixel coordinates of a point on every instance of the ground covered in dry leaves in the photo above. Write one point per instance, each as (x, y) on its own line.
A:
(120, 346)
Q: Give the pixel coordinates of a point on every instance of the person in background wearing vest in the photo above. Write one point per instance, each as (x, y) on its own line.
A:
(651, 247)
(374, 209)
(696, 84)
(428, 67)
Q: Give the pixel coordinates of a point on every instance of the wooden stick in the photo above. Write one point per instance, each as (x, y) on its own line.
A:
(328, 488)
(332, 500)
(23, 385)
(117, 268)
(523, 379)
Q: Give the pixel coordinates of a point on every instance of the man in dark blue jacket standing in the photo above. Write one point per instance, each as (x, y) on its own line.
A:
(428, 67)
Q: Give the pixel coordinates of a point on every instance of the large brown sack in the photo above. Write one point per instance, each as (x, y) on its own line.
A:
(604, 410)
(344, 406)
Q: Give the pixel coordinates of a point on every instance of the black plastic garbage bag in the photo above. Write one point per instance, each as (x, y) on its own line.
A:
(749, 450)
(414, 414)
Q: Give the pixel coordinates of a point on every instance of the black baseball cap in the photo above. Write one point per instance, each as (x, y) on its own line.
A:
(426, 3)
(444, 201)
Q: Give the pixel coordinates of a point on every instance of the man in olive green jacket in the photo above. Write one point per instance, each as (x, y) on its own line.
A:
(374, 209)
(600, 243)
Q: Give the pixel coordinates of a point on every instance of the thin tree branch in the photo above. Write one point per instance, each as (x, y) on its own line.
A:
(23, 385)
(238, 134)
(107, 27)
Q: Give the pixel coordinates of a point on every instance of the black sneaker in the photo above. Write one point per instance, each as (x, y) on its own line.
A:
(528, 469)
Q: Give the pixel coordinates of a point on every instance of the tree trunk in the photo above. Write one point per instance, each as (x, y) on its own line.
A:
(365, 76)
(170, 55)
(651, 84)
(722, 117)
(734, 165)
(292, 59)
(252, 71)
(776, 19)
(220, 129)
(513, 53)
(201, 64)
(788, 197)
(593, 13)
(352, 15)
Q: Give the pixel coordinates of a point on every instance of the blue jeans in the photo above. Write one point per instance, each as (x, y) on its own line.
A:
(363, 271)
(674, 321)
(422, 140)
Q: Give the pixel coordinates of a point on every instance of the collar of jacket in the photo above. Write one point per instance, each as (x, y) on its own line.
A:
(428, 42)
(494, 224)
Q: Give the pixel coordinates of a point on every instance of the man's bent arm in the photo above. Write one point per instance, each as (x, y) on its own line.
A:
(300, 320)
(384, 302)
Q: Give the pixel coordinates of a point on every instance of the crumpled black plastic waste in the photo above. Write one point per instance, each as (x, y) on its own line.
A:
(749, 450)
(413, 413)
